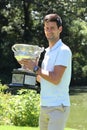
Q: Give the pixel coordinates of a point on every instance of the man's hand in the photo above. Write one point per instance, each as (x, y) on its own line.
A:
(28, 63)
(38, 78)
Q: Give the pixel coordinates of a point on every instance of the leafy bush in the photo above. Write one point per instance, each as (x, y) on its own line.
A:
(19, 110)
(3, 88)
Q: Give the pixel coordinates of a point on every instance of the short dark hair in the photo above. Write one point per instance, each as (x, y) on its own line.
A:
(53, 18)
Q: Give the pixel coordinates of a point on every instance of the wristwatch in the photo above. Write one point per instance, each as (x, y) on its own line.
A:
(36, 68)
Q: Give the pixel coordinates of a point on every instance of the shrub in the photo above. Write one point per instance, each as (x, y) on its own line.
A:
(19, 110)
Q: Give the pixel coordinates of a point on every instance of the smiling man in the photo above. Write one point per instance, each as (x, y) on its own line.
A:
(54, 76)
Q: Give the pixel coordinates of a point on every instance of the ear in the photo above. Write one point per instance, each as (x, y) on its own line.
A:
(60, 29)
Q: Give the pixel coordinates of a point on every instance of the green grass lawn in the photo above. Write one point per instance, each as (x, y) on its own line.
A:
(23, 128)
(78, 113)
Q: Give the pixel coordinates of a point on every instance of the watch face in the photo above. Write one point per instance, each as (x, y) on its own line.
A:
(17, 78)
(36, 68)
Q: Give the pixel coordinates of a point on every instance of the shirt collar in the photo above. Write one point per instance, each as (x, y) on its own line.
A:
(58, 43)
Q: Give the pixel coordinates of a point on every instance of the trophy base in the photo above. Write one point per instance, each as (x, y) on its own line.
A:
(23, 78)
(22, 86)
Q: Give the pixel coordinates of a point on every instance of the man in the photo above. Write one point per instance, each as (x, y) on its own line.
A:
(54, 77)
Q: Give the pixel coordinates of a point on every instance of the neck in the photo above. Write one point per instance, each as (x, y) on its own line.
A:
(52, 43)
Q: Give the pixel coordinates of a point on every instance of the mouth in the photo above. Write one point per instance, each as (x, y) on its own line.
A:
(49, 35)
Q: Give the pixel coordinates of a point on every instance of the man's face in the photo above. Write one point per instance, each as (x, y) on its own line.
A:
(52, 32)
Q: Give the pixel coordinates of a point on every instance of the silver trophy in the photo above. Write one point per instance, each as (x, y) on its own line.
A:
(20, 76)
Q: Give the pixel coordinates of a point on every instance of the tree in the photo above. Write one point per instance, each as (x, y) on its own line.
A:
(22, 22)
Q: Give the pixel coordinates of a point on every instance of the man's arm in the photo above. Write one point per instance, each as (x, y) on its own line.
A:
(53, 77)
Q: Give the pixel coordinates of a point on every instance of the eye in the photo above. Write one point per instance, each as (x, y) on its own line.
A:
(46, 28)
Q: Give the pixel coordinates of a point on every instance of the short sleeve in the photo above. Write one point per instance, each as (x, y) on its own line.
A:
(63, 58)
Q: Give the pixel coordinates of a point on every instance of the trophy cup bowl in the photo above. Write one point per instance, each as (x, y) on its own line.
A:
(25, 51)
(22, 77)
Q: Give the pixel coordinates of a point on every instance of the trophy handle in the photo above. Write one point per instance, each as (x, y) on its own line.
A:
(13, 49)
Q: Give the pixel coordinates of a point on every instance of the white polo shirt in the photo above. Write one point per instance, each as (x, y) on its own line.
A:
(55, 95)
